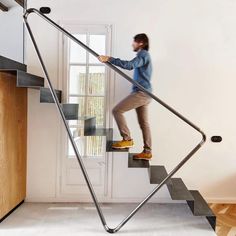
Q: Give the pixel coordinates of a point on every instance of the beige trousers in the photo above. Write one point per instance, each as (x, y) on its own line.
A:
(138, 101)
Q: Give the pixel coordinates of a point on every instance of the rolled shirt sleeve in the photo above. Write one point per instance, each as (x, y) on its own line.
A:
(137, 62)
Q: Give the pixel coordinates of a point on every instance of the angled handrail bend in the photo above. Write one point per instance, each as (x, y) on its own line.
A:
(77, 153)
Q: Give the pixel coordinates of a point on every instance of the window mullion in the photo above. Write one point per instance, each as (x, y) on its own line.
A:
(86, 89)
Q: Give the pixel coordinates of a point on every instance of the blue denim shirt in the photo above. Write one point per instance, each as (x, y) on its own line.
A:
(142, 66)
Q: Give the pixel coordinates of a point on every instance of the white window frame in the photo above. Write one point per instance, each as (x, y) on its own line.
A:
(72, 192)
(88, 29)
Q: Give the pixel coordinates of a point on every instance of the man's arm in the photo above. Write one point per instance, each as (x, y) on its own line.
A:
(138, 61)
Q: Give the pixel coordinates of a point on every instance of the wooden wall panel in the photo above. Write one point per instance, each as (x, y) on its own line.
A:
(13, 143)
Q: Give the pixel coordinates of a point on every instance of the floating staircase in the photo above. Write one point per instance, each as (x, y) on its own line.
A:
(177, 189)
(27, 80)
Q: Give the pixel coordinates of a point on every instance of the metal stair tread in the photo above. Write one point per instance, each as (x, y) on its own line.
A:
(46, 96)
(198, 205)
(70, 110)
(9, 64)
(98, 132)
(25, 79)
(132, 163)
(157, 174)
(178, 190)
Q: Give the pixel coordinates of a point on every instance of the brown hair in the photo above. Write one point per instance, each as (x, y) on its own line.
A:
(142, 38)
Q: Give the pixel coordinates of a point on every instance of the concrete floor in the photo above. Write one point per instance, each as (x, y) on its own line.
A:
(61, 219)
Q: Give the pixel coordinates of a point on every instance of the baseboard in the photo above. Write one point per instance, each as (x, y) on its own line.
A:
(9, 213)
(221, 200)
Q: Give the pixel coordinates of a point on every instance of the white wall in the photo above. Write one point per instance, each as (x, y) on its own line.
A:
(11, 39)
(193, 51)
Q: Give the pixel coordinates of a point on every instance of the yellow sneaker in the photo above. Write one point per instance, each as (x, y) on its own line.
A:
(123, 144)
(143, 156)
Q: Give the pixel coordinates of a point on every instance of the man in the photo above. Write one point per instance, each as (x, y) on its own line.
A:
(137, 100)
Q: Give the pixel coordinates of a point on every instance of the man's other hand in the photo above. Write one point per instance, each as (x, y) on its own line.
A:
(103, 59)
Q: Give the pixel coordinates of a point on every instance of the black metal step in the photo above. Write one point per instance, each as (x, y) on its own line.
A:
(98, 132)
(8, 64)
(132, 163)
(178, 190)
(70, 111)
(88, 127)
(89, 124)
(176, 186)
(157, 174)
(108, 132)
(199, 207)
(27, 80)
(46, 96)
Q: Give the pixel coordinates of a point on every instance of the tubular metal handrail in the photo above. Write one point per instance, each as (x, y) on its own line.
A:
(77, 153)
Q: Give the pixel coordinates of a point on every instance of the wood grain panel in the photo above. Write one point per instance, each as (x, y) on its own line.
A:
(13, 142)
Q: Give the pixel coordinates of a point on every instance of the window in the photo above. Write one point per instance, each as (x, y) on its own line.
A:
(87, 86)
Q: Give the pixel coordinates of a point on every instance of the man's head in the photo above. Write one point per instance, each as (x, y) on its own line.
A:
(141, 41)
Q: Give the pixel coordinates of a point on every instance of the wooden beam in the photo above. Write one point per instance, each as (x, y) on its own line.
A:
(3, 7)
(21, 2)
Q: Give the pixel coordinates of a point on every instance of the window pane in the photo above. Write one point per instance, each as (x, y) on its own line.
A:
(81, 102)
(95, 146)
(98, 44)
(77, 79)
(96, 80)
(95, 107)
(77, 53)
